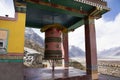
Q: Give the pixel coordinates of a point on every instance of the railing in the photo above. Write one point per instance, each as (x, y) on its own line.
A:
(101, 2)
(98, 3)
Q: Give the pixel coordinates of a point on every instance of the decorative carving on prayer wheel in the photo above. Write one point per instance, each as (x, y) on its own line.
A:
(53, 42)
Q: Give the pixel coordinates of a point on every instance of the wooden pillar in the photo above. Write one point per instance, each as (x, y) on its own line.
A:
(90, 45)
(66, 50)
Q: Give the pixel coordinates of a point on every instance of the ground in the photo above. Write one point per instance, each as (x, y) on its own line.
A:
(60, 73)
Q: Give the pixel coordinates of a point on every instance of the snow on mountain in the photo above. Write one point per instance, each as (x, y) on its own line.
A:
(31, 35)
(110, 53)
(76, 52)
(73, 50)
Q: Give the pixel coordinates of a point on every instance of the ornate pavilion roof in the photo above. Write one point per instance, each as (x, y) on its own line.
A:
(69, 13)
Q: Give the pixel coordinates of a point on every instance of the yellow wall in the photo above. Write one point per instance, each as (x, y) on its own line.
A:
(15, 33)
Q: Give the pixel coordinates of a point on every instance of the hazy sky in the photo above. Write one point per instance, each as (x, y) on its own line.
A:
(6, 8)
(107, 27)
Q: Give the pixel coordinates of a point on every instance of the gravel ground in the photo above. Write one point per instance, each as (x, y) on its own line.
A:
(108, 77)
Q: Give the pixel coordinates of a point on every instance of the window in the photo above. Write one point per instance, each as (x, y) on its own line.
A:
(3, 41)
(1, 44)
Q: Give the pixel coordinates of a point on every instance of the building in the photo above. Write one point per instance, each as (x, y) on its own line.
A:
(39, 13)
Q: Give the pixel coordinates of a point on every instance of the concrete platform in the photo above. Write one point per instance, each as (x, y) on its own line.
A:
(61, 74)
(47, 74)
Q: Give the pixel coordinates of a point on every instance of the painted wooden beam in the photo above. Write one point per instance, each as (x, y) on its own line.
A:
(11, 57)
(90, 45)
(60, 8)
(76, 25)
(66, 50)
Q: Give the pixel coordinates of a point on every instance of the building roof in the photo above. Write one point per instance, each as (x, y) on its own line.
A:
(31, 51)
(69, 13)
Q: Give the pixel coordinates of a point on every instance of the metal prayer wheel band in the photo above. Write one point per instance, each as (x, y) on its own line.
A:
(53, 46)
(53, 54)
(52, 58)
(53, 39)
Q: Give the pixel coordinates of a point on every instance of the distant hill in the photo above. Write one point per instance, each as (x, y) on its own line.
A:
(110, 53)
(76, 52)
(32, 36)
(32, 45)
(33, 40)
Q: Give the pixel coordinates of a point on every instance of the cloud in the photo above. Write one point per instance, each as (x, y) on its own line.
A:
(108, 33)
(77, 38)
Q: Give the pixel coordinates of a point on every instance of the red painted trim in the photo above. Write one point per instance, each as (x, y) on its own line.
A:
(8, 18)
(35, 1)
(12, 54)
(59, 6)
(66, 50)
(54, 5)
(68, 8)
(90, 46)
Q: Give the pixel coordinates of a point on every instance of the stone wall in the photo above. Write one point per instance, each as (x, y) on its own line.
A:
(11, 71)
(109, 68)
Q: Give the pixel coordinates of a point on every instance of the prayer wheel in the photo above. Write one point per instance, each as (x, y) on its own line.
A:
(53, 41)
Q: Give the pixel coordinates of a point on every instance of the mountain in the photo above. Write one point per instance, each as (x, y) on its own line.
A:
(32, 36)
(110, 53)
(117, 53)
(34, 41)
(32, 45)
(76, 52)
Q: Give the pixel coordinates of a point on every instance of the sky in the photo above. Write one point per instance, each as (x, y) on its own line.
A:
(107, 27)
(7, 8)
(114, 5)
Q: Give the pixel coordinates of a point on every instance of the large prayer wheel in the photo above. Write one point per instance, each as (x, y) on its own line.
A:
(53, 41)
(53, 48)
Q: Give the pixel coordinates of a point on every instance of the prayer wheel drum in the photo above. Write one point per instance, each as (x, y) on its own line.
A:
(53, 42)
(53, 50)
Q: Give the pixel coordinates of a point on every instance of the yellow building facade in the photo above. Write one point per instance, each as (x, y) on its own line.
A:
(14, 41)
(15, 33)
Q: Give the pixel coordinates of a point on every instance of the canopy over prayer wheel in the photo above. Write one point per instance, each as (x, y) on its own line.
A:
(53, 41)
